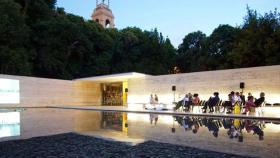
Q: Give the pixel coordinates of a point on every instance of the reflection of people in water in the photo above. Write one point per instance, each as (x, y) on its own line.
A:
(212, 126)
(257, 130)
(187, 123)
(235, 129)
(192, 123)
(153, 117)
(255, 127)
(233, 132)
(234, 126)
(195, 126)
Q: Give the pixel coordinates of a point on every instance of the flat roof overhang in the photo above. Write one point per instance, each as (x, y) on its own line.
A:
(121, 77)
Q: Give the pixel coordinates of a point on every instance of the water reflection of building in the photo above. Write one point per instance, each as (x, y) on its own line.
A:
(9, 123)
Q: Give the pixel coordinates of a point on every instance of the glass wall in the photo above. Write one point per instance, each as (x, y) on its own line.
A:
(112, 95)
(9, 91)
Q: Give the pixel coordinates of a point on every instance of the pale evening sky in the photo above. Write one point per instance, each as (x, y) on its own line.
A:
(174, 18)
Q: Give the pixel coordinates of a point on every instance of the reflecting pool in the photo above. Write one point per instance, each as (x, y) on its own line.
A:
(256, 137)
(9, 123)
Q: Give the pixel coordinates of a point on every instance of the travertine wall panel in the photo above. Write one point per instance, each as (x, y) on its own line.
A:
(43, 92)
(257, 79)
(88, 92)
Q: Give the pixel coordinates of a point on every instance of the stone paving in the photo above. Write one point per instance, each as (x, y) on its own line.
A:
(73, 145)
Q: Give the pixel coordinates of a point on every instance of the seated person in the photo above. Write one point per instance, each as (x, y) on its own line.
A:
(250, 103)
(259, 101)
(242, 97)
(227, 104)
(213, 101)
(186, 102)
(179, 104)
(232, 99)
(196, 99)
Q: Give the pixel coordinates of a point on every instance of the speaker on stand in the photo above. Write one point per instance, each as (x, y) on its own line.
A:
(174, 90)
(242, 86)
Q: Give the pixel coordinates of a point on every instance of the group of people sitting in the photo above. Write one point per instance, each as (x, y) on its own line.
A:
(154, 104)
(235, 101)
(252, 102)
(189, 100)
(192, 100)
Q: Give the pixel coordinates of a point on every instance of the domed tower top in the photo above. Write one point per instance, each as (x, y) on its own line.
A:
(103, 14)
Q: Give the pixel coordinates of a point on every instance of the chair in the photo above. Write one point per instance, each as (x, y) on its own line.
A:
(196, 107)
(268, 104)
(276, 104)
(260, 110)
(217, 106)
(202, 104)
(252, 109)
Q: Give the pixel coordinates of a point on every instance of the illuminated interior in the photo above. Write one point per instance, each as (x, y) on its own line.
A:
(9, 91)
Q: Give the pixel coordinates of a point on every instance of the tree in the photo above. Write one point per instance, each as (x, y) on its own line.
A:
(14, 55)
(191, 53)
(36, 10)
(219, 44)
(257, 43)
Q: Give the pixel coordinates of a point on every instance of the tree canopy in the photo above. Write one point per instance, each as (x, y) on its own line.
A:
(254, 43)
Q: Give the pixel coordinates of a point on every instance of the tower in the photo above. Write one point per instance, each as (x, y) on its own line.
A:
(103, 14)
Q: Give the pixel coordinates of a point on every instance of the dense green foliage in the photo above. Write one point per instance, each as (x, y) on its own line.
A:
(255, 43)
(39, 39)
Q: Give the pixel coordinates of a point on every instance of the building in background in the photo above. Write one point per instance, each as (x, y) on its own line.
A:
(103, 15)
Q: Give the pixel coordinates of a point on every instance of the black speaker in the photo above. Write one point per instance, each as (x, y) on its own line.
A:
(242, 85)
(126, 90)
(173, 130)
(173, 88)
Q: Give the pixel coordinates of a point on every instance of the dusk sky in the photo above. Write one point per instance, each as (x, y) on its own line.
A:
(174, 18)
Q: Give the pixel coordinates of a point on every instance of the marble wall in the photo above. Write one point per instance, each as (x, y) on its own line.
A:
(40, 92)
(258, 79)
(36, 92)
